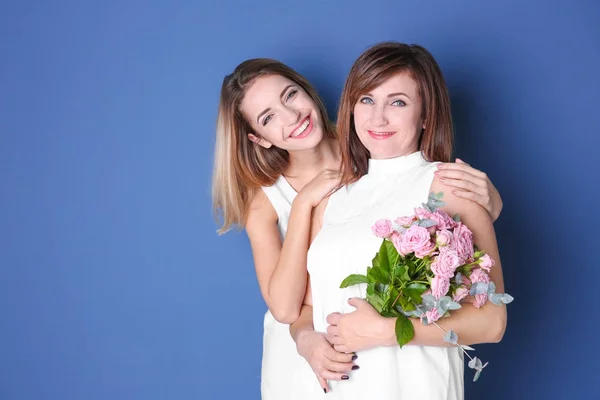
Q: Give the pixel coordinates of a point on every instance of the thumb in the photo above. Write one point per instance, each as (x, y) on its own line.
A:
(323, 383)
(357, 302)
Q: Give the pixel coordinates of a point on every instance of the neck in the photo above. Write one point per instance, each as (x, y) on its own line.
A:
(312, 161)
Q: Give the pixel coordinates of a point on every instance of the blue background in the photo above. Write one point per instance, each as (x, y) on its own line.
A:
(113, 282)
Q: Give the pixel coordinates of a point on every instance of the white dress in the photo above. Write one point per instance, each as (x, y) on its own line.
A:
(285, 374)
(345, 245)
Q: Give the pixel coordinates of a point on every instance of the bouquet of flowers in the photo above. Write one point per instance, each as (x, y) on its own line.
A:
(426, 266)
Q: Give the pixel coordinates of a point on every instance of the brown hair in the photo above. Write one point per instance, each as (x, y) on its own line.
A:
(370, 70)
(241, 166)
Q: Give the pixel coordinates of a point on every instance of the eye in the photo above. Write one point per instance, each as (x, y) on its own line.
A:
(291, 94)
(366, 100)
(399, 103)
(267, 119)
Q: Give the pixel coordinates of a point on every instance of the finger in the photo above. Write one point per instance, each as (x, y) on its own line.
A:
(462, 167)
(481, 200)
(342, 348)
(323, 383)
(339, 367)
(464, 185)
(357, 302)
(333, 330)
(334, 318)
(333, 376)
(459, 174)
(336, 356)
(334, 340)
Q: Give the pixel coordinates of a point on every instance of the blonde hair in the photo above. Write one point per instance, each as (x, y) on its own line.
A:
(241, 166)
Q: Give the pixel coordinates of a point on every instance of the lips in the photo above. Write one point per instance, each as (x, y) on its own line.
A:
(381, 135)
(303, 129)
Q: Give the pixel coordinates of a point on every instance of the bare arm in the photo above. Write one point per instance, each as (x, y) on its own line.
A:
(365, 328)
(281, 269)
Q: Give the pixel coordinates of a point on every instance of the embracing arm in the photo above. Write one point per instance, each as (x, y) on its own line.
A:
(472, 184)
(365, 328)
(281, 269)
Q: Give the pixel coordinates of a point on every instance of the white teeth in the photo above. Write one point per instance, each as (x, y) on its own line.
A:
(301, 128)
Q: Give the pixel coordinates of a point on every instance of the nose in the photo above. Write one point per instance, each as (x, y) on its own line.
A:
(291, 116)
(378, 117)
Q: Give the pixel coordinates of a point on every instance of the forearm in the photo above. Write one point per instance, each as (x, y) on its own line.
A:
(288, 280)
(304, 323)
(472, 325)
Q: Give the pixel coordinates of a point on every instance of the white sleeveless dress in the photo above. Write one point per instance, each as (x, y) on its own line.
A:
(285, 374)
(345, 245)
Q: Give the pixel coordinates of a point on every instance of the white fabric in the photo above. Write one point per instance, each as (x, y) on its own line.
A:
(345, 245)
(285, 374)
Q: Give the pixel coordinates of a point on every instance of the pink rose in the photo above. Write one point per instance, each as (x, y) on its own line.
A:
(460, 293)
(446, 263)
(443, 237)
(425, 250)
(431, 315)
(382, 228)
(422, 213)
(486, 262)
(463, 242)
(439, 286)
(443, 219)
(480, 300)
(479, 275)
(417, 239)
(396, 239)
(405, 221)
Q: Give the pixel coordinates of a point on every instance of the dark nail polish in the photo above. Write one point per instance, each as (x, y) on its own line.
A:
(354, 357)
(324, 390)
(355, 367)
(345, 377)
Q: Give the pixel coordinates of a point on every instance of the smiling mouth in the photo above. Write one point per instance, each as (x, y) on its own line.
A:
(380, 135)
(303, 129)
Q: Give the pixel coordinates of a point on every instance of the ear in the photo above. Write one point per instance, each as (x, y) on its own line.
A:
(259, 141)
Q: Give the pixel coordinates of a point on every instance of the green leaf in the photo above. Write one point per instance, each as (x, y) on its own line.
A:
(354, 279)
(379, 275)
(370, 288)
(401, 273)
(414, 294)
(390, 252)
(390, 313)
(404, 330)
(376, 301)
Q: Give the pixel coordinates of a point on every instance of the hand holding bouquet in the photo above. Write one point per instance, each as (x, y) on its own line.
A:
(426, 267)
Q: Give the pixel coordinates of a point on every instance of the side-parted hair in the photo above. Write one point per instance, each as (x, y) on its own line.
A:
(241, 166)
(373, 68)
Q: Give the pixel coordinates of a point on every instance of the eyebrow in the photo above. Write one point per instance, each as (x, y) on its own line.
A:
(285, 89)
(392, 94)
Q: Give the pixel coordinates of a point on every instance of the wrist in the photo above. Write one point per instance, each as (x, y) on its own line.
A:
(302, 202)
(388, 332)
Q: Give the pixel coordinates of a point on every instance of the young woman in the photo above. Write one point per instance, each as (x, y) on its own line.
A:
(395, 127)
(276, 158)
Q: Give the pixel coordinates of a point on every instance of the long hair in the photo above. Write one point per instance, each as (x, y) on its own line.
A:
(372, 69)
(241, 166)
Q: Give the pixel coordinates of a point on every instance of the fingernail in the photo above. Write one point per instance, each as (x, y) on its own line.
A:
(345, 377)
(440, 166)
(354, 357)
(324, 390)
(355, 367)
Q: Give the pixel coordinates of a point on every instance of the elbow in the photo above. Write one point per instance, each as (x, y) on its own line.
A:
(285, 317)
(285, 313)
(499, 326)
